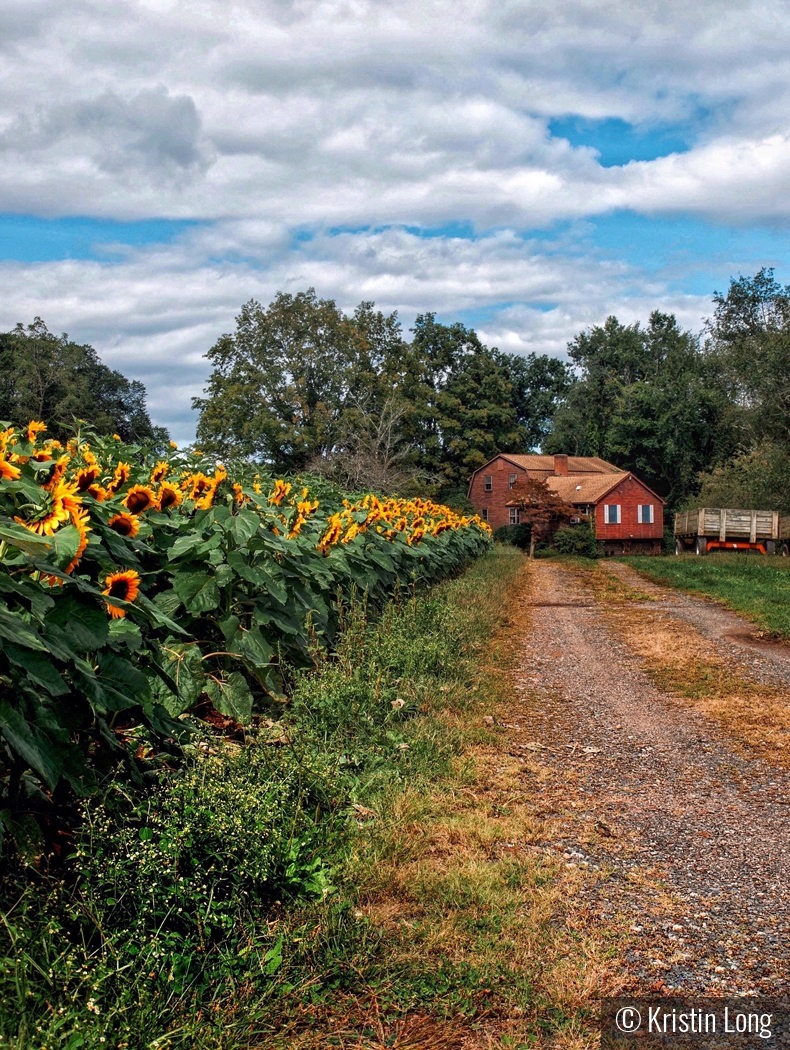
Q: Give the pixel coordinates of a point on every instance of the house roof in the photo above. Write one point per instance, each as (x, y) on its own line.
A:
(576, 464)
(590, 488)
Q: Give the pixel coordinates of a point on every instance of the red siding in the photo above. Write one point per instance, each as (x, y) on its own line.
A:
(494, 501)
(629, 494)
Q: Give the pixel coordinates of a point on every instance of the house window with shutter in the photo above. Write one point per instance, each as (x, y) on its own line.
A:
(488, 482)
(645, 514)
(511, 481)
(611, 513)
(514, 515)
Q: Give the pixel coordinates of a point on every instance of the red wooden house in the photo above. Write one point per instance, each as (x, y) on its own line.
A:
(627, 516)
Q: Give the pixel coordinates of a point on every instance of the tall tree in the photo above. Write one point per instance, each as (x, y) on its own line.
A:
(51, 378)
(299, 381)
(284, 383)
(647, 400)
(749, 345)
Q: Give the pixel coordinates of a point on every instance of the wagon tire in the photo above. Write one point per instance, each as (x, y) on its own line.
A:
(701, 545)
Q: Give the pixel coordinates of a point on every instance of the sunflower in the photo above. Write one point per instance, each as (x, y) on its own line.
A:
(60, 502)
(58, 471)
(168, 496)
(33, 430)
(173, 444)
(99, 494)
(116, 437)
(125, 586)
(281, 490)
(140, 498)
(119, 478)
(204, 502)
(85, 477)
(8, 472)
(159, 473)
(125, 524)
(80, 520)
(5, 437)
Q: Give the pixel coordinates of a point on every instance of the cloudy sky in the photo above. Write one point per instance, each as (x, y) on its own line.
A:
(526, 166)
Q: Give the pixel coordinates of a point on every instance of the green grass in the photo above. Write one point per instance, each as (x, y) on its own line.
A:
(222, 911)
(757, 586)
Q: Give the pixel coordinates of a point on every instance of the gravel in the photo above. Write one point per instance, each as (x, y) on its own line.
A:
(685, 840)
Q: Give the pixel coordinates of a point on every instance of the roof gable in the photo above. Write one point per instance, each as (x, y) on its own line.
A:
(592, 488)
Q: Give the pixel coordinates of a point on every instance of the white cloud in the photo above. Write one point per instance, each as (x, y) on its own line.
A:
(270, 116)
(154, 315)
(384, 111)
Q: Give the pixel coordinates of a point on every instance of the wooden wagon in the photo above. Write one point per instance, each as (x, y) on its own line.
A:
(784, 535)
(723, 528)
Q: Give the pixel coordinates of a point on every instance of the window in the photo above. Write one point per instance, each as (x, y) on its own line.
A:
(645, 514)
(511, 481)
(514, 515)
(484, 513)
(611, 513)
(488, 482)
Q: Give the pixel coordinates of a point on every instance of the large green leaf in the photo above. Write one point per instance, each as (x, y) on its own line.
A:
(82, 621)
(24, 539)
(39, 668)
(243, 525)
(33, 747)
(15, 629)
(183, 545)
(231, 696)
(67, 541)
(184, 665)
(121, 682)
(198, 591)
(255, 649)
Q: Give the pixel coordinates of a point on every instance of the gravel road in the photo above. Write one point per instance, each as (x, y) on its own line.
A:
(685, 840)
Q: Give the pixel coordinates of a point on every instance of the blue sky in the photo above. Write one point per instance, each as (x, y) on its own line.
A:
(529, 168)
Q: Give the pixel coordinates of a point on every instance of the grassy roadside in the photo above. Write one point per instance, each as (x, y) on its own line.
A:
(757, 587)
(348, 878)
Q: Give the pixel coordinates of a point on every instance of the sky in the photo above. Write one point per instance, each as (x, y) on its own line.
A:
(528, 167)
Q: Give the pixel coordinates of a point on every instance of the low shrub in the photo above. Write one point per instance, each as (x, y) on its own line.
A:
(577, 540)
(517, 535)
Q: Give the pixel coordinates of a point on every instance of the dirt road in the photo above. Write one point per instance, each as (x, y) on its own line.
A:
(681, 825)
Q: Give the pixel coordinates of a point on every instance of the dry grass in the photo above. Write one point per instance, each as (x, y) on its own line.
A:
(685, 664)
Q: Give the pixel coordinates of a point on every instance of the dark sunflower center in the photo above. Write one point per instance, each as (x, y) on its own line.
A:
(119, 589)
(138, 501)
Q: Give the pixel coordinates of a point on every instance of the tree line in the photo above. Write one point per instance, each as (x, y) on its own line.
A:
(51, 378)
(303, 386)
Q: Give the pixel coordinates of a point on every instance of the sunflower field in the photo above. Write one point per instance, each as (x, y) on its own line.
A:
(140, 593)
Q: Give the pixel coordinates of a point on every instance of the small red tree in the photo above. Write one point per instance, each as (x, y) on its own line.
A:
(538, 506)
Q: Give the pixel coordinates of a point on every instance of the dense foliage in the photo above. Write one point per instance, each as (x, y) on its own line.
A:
(214, 909)
(50, 377)
(647, 400)
(136, 589)
(298, 381)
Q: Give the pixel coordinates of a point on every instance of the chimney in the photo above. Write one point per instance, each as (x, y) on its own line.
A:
(561, 466)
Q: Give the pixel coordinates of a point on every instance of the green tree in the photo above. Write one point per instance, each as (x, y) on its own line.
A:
(758, 478)
(749, 344)
(53, 379)
(286, 382)
(647, 400)
(300, 383)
